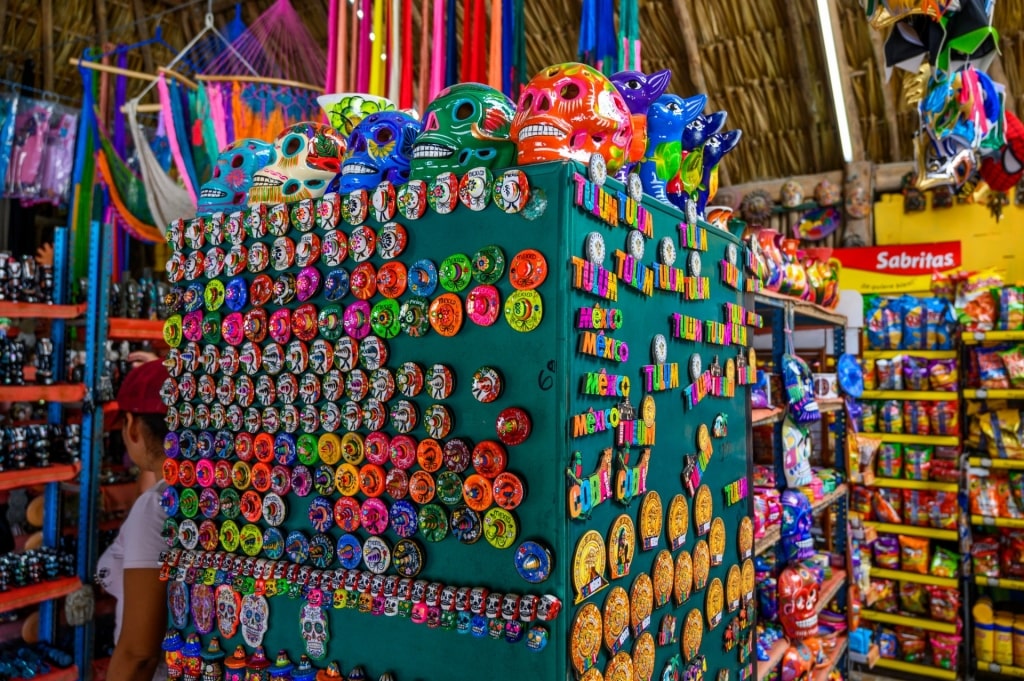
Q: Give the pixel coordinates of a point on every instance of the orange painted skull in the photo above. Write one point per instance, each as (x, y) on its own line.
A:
(571, 111)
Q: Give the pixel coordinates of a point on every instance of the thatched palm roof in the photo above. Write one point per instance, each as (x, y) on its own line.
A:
(760, 59)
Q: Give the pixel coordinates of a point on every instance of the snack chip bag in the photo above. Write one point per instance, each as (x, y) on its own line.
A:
(1011, 556)
(943, 512)
(890, 373)
(945, 650)
(943, 374)
(916, 419)
(861, 499)
(890, 460)
(884, 327)
(913, 598)
(975, 304)
(888, 644)
(888, 506)
(883, 595)
(1011, 308)
(868, 417)
(940, 324)
(912, 311)
(887, 551)
(917, 505)
(991, 370)
(890, 417)
(870, 378)
(913, 644)
(915, 373)
(945, 418)
(985, 556)
(1013, 363)
(944, 563)
(944, 470)
(917, 462)
(943, 603)
(914, 554)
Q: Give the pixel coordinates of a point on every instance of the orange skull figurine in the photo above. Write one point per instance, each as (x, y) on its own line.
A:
(572, 111)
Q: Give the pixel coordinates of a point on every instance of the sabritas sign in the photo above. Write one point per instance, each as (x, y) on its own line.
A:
(896, 269)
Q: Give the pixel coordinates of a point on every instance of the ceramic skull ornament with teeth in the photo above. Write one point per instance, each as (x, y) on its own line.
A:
(255, 618)
(466, 126)
(228, 188)
(797, 520)
(314, 631)
(572, 111)
(379, 148)
(798, 598)
(308, 156)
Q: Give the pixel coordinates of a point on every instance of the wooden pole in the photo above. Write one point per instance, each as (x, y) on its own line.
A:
(46, 42)
(140, 19)
(260, 79)
(888, 96)
(998, 74)
(808, 84)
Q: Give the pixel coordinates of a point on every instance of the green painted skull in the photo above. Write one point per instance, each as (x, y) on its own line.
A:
(466, 126)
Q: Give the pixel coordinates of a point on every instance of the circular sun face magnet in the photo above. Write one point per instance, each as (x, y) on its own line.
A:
(659, 349)
(696, 366)
(586, 637)
(616, 619)
(678, 521)
(745, 538)
(594, 247)
(714, 603)
(667, 251)
(635, 244)
(703, 510)
(682, 578)
(716, 541)
(650, 520)
(662, 575)
(693, 634)
(641, 603)
(693, 265)
(733, 588)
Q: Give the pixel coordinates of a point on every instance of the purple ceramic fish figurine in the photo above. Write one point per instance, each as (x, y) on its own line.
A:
(640, 90)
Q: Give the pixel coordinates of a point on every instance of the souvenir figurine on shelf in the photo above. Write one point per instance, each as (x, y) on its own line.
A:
(715, 150)
(691, 170)
(173, 656)
(228, 189)
(308, 156)
(797, 663)
(798, 600)
(640, 90)
(792, 194)
(282, 668)
(572, 111)
(379, 148)
(466, 126)
(667, 118)
(234, 666)
(797, 520)
(213, 661)
(257, 666)
(191, 660)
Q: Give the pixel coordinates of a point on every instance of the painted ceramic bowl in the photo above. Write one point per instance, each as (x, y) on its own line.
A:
(346, 109)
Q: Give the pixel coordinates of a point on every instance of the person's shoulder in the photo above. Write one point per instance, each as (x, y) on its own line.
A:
(148, 508)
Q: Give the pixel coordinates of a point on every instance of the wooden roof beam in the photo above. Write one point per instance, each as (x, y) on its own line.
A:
(808, 84)
(888, 96)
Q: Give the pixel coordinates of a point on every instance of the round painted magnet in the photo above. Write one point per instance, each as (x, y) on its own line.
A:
(511, 191)
(594, 248)
(429, 455)
(404, 416)
(466, 524)
(209, 535)
(456, 272)
(422, 278)
(274, 509)
(236, 260)
(373, 353)
(500, 528)
(363, 281)
(487, 384)
(346, 354)
(529, 269)
(375, 414)
(236, 294)
(475, 188)
(641, 603)
(513, 426)
(186, 474)
(373, 514)
(714, 603)
(733, 588)
(414, 317)
(307, 283)
(362, 243)
(383, 201)
(335, 248)
(391, 241)
(693, 265)
(678, 521)
(280, 480)
(376, 555)
(621, 546)
(169, 501)
(349, 551)
(585, 641)
(489, 458)
(392, 279)
(488, 265)
(616, 620)
(408, 558)
(188, 534)
(213, 295)
(682, 578)
(703, 510)
(445, 314)
(449, 488)
(323, 479)
(385, 318)
(662, 575)
(533, 562)
(382, 384)
(371, 482)
(747, 576)
(259, 257)
(443, 193)
(457, 455)
(355, 207)
(321, 512)
(437, 421)
(650, 521)
(421, 487)
(336, 285)
(701, 565)
(409, 379)
(357, 320)
(433, 522)
(745, 538)
(483, 305)
(476, 492)
(352, 415)
(412, 199)
(716, 541)
(229, 535)
(404, 521)
(524, 310)
(377, 448)
(402, 452)
(296, 545)
(346, 480)
(250, 506)
(229, 502)
(308, 250)
(397, 483)
(321, 551)
(346, 514)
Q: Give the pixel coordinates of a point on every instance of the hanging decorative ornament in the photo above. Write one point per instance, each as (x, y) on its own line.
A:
(792, 194)
(757, 206)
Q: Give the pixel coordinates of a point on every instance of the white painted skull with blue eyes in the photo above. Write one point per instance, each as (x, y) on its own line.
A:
(308, 157)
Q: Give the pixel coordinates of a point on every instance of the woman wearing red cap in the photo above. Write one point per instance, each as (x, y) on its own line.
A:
(130, 569)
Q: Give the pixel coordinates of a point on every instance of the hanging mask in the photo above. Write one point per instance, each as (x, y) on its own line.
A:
(797, 520)
(255, 619)
(228, 188)
(1005, 169)
(308, 156)
(798, 598)
(314, 631)
(667, 118)
(228, 602)
(640, 91)
(379, 148)
(466, 126)
(792, 194)
(202, 608)
(572, 111)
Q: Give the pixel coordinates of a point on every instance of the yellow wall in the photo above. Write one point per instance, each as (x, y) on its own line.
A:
(984, 242)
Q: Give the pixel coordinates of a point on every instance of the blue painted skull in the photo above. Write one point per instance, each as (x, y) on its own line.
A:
(467, 126)
(797, 520)
(228, 188)
(380, 148)
(666, 120)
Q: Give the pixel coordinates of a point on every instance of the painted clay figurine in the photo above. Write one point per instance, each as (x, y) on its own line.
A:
(667, 120)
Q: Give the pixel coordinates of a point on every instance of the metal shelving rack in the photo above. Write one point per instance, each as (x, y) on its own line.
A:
(784, 315)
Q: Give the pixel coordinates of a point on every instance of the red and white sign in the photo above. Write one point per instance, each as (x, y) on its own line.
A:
(902, 268)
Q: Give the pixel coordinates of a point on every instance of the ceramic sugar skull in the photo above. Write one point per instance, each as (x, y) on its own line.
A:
(255, 617)
(308, 156)
(379, 148)
(572, 111)
(826, 193)
(228, 188)
(797, 520)
(228, 603)
(798, 596)
(314, 631)
(667, 118)
(640, 90)
(466, 126)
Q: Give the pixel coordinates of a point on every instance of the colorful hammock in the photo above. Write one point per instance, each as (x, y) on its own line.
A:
(166, 199)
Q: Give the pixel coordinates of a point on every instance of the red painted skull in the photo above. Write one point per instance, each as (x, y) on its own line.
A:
(571, 111)
(798, 598)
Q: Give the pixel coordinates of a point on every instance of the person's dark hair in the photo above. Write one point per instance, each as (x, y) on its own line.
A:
(155, 430)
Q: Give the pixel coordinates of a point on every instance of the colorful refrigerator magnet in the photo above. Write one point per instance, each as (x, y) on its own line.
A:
(616, 619)
(662, 576)
(716, 541)
(733, 588)
(745, 538)
(588, 566)
(693, 634)
(714, 603)
(703, 509)
(682, 579)
(585, 642)
(701, 565)
(620, 668)
(621, 546)
(641, 603)
(650, 521)
(643, 657)
(678, 521)
(747, 580)
(533, 562)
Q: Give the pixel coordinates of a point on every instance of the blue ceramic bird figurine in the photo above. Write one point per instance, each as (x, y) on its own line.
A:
(715, 150)
(683, 187)
(640, 90)
(666, 120)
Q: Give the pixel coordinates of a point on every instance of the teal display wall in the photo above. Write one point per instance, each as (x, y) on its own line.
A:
(545, 373)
